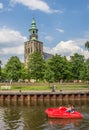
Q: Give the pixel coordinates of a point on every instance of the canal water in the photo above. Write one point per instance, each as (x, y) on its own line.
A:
(31, 116)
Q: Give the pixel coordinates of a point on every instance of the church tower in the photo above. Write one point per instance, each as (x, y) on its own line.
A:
(33, 44)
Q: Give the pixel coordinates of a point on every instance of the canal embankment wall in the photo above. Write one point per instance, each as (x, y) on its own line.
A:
(28, 96)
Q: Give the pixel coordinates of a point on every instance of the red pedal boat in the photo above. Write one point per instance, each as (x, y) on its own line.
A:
(61, 113)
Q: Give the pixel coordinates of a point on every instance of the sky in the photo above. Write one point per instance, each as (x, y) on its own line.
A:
(63, 26)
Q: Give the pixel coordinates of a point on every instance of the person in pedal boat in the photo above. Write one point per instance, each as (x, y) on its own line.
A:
(70, 108)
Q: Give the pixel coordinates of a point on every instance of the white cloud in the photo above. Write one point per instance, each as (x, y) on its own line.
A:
(10, 37)
(67, 48)
(5, 9)
(1, 5)
(17, 50)
(49, 38)
(60, 30)
(36, 5)
(11, 43)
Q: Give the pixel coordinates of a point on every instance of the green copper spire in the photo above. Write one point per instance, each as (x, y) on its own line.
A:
(33, 25)
(33, 31)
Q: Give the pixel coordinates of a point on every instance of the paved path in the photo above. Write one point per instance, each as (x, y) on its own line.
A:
(42, 92)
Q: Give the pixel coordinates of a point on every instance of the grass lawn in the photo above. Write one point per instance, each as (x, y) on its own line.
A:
(45, 88)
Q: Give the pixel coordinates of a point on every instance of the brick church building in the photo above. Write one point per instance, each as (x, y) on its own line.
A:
(33, 44)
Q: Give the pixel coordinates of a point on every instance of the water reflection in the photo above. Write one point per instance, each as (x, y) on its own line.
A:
(10, 119)
(65, 123)
(31, 116)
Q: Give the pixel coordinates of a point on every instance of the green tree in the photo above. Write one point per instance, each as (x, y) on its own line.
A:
(36, 66)
(0, 69)
(13, 68)
(56, 66)
(77, 64)
(3, 75)
(66, 69)
(86, 76)
(49, 74)
(87, 62)
(24, 72)
(87, 45)
(60, 68)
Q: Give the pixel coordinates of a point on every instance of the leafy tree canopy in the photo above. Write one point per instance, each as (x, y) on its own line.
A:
(77, 63)
(36, 66)
(13, 68)
(87, 45)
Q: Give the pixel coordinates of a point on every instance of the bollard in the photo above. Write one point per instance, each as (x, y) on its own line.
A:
(53, 88)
